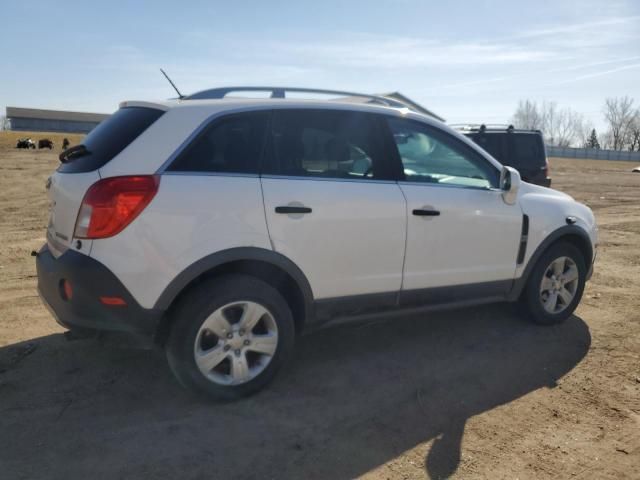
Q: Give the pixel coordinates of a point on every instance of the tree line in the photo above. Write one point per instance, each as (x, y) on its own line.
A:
(564, 127)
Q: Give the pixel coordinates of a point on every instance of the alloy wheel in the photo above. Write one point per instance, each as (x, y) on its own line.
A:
(236, 343)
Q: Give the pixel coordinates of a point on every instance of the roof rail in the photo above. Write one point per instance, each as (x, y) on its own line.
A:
(477, 126)
(280, 92)
(473, 127)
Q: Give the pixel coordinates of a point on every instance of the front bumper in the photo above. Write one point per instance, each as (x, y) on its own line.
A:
(90, 280)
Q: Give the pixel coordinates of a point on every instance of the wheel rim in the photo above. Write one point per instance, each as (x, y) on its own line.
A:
(559, 285)
(236, 343)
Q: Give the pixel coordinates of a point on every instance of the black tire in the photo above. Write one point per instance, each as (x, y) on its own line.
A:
(204, 299)
(530, 300)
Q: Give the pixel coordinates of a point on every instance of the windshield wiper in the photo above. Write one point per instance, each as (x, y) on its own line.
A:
(73, 152)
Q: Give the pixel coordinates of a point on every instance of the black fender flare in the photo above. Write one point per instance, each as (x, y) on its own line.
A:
(565, 231)
(205, 264)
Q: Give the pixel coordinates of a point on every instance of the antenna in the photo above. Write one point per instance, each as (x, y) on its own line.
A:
(180, 96)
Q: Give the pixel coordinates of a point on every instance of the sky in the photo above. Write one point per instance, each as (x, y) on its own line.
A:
(468, 61)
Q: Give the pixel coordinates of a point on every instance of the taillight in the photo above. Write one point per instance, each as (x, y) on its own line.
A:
(113, 203)
(547, 169)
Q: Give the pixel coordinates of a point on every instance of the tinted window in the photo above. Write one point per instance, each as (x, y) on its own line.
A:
(431, 156)
(109, 138)
(325, 143)
(494, 143)
(232, 144)
(527, 150)
(518, 150)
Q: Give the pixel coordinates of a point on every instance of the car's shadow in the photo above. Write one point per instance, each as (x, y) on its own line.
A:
(353, 398)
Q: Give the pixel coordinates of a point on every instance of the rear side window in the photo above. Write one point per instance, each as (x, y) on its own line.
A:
(325, 144)
(109, 138)
(232, 144)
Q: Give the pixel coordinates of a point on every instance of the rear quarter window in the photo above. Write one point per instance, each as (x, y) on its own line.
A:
(110, 137)
(231, 144)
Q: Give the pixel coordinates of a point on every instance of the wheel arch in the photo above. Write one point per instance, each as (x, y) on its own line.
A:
(572, 234)
(271, 267)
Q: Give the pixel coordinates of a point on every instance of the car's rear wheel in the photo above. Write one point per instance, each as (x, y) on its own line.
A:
(556, 284)
(230, 336)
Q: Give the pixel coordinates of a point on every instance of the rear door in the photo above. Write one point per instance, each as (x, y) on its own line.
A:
(331, 203)
(460, 231)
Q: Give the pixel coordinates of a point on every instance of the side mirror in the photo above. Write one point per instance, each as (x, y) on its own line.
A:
(509, 184)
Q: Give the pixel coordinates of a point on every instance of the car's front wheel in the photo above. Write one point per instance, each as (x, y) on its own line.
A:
(230, 336)
(555, 285)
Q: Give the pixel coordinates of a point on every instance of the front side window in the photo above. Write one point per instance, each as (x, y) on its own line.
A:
(232, 144)
(324, 144)
(431, 156)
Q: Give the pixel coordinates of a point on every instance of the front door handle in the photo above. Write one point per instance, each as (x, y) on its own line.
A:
(426, 213)
(292, 209)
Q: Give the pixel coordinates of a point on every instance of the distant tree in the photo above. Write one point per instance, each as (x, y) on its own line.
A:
(527, 115)
(4, 123)
(620, 117)
(592, 141)
(560, 127)
(634, 136)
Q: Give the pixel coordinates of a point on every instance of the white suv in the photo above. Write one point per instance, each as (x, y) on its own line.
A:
(220, 228)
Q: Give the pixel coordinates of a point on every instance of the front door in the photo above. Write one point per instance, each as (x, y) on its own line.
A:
(460, 232)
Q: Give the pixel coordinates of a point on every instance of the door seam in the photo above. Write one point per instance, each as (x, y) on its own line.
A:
(406, 236)
(266, 220)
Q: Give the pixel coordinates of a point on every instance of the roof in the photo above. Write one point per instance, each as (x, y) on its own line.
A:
(16, 112)
(413, 105)
(416, 107)
(236, 103)
(278, 94)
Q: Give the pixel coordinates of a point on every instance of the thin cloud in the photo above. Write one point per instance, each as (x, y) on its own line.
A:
(597, 74)
(404, 52)
(576, 27)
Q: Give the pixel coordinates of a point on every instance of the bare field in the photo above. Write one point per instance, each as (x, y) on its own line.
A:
(474, 393)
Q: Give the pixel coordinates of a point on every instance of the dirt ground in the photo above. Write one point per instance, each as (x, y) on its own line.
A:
(474, 393)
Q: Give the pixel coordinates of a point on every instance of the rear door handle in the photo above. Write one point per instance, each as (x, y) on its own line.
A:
(292, 209)
(426, 213)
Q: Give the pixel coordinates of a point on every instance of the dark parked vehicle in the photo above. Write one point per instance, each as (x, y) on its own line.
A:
(521, 149)
(25, 143)
(45, 143)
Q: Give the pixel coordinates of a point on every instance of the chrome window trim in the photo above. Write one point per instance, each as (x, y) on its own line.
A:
(324, 179)
(197, 173)
(443, 185)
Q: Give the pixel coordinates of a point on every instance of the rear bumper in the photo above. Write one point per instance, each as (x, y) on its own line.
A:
(90, 280)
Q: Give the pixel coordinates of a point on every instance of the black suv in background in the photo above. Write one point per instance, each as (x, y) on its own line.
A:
(521, 149)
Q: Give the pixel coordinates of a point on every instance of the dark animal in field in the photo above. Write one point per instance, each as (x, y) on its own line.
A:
(26, 143)
(65, 143)
(45, 143)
